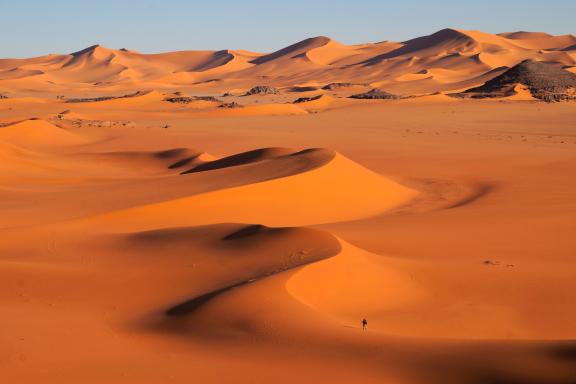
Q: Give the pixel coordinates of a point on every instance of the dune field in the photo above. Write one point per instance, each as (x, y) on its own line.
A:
(232, 216)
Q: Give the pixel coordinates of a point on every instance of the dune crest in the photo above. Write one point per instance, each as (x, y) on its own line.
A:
(317, 189)
(463, 55)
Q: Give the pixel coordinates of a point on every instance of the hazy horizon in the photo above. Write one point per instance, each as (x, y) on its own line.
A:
(153, 26)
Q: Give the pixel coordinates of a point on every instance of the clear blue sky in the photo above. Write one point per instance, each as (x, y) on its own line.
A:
(35, 27)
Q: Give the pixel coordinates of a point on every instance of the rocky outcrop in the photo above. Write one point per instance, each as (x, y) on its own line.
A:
(307, 99)
(376, 94)
(189, 99)
(262, 90)
(335, 86)
(231, 105)
(545, 81)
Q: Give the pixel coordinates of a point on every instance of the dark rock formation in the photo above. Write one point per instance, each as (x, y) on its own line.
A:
(189, 99)
(104, 98)
(546, 81)
(262, 90)
(376, 94)
(231, 105)
(306, 99)
(207, 98)
(335, 86)
(302, 89)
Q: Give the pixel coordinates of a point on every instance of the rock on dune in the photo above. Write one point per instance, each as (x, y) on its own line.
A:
(231, 105)
(376, 94)
(106, 98)
(302, 89)
(190, 99)
(307, 99)
(262, 90)
(545, 81)
(335, 86)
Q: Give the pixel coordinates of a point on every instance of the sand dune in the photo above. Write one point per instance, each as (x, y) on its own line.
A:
(38, 134)
(158, 225)
(317, 60)
(320, 175)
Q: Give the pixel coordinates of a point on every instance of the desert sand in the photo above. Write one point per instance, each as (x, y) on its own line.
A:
(161, 226)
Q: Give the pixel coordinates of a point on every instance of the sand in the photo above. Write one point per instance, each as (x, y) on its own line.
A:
(148, 241)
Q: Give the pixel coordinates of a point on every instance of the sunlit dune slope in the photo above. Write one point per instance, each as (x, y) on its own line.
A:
(321, 186)
(38, 134)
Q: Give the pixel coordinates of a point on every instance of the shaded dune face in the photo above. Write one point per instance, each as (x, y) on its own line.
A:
(241, 159)
(263, 252)
(300, 188)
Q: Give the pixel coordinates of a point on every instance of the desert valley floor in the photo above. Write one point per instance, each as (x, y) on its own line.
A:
(147, 241)
(443, 223)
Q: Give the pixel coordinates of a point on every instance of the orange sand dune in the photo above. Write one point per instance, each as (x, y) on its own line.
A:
(38, 134)
(149, 240)
(324, 183)
(319, 60)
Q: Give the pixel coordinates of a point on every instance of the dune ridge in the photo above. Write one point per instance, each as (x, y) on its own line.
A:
(311, 184)
(463, 54)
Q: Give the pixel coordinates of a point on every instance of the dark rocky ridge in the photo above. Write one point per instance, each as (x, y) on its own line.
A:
(546, 81)
(262, 90)
(376, 94)
(104, 98)
(189, 99)
(231, 105)
(307, 99)
(334, 86)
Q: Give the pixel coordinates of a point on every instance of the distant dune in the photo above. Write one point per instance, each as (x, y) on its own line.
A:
(443, 61)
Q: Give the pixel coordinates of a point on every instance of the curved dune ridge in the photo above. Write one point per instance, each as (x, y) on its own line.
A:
(259, 252)
(336, 281)
(299, 188)
(353, 285)
(169, 161)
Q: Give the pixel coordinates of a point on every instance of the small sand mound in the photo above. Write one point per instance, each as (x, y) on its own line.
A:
(38, 134)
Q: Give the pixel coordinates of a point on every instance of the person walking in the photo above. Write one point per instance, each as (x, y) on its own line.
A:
(364, 324)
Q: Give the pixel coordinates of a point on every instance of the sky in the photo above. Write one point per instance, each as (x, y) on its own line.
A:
(37, 27)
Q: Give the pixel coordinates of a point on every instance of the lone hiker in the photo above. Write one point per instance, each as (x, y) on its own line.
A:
(364, 324)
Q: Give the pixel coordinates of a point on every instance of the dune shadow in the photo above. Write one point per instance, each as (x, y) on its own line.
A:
(479, 192)
(240, 159)
(190, 306)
